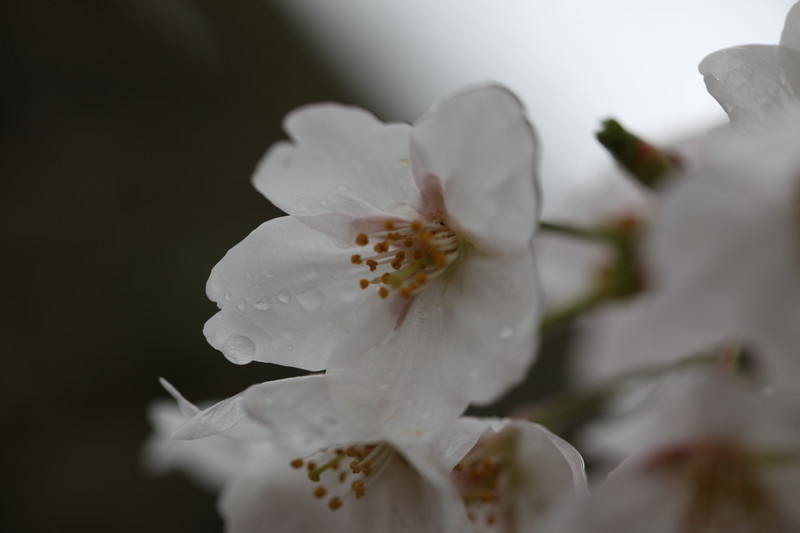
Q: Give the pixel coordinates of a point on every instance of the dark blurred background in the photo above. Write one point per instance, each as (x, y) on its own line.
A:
(128, 133)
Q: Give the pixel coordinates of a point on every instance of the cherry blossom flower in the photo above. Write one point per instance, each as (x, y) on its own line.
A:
(719, 457)
(723, 261)
(479, 474)
(517, 477)
(757, 84)
(330, 468)
(405, 268)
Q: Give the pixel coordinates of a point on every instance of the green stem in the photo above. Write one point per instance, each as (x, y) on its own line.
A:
(578, 232)
(559, 317)
(568, 409)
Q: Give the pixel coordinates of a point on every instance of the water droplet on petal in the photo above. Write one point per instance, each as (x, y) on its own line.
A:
(227, 296)
(310, 300)
(238, 348)
(241, 305)
(262, 305)
(284, 297)
(506, 332)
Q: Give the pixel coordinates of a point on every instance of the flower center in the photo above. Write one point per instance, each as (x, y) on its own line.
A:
(724, 489)
(408, 255)
(341, 473)
(487, 477)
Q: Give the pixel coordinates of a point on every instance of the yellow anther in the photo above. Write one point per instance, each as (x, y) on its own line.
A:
(421, 278)
(388, 224)
(297, 463)
(311, 465)
(359, 488)
(364, 283)
(355, 467)
(417, 254)
(385, 278)
(356, 259)
(393, 236)
(416, 225)
(383, 292)
(397, 264)
(400, 255)
(362, 239)
(407, 291)
(373, 265)
(320, 492)
(367, 468)
(381, 247)
(408, 242)
(425, 237)
(351, 451)
(335, 503)
(342, 476)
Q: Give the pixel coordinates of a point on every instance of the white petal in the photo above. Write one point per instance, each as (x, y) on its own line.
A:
(402, 501)
(343, 160)
(484, 152)
(301, 415)
(400, 384)
(187, 408)
(226, 418)
(289, 295)
(271, 496)
(750, 83)
(556, 464)
(491, 309)
(790, 47)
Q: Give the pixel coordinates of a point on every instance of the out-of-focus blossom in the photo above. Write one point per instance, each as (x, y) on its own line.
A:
(758, 84)
(723, 263)
(719, 457)
(405, 267)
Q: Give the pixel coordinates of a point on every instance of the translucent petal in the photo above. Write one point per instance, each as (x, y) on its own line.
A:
(750, 83)
(490, 322)
(484, 152)
(301, 415)
(289, 295)
(342, 161)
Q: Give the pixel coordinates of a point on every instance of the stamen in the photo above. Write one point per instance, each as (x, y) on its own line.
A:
(367, 462)
(416, 252)
(335, 503)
